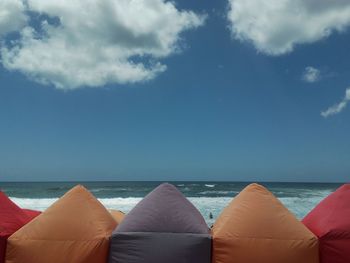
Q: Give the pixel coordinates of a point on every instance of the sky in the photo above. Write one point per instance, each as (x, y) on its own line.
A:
(229, 90)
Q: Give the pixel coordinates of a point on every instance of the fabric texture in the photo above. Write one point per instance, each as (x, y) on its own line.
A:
(256, 227)
(160, 248)
(163, 228)
(117, 215)
(330, 221)
(165, 209)
(75, 229)
(31, 213)
(12, 218)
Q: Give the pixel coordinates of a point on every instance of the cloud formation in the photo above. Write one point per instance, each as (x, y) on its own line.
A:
(275, 27)
(311, 74)
(96, 42)
(339, 107)
(12, 16)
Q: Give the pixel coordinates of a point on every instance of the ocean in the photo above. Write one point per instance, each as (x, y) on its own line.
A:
(209, 197)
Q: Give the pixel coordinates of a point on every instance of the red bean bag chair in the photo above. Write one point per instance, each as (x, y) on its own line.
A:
(32, 213)
(330, 221)
(12, 218)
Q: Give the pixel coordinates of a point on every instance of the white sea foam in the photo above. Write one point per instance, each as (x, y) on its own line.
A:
(34, 203)
(300, 206)
(123, 204)
(210, 185)
(210, 192)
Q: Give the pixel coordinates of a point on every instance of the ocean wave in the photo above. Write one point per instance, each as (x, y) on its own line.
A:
(34, 203)
(300, 206)
(219, 192)
(105, 189)
(124, 204)
(210, 185)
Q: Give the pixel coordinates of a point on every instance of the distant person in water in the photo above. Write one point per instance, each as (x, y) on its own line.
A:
(211, 218)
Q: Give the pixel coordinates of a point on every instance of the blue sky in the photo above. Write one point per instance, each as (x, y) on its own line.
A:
(198, 94)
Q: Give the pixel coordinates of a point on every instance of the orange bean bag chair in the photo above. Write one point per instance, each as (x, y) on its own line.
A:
(75, 229)
(330, 221)
(256, 228)
(117, 215)
(12, 218)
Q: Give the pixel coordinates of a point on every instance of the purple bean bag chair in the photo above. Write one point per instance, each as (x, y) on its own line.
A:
(163, 228)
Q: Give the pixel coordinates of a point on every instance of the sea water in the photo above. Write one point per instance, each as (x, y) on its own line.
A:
(209, 197)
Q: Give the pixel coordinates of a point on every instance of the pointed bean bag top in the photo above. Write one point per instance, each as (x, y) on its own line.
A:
(166, 210)
(331, 217)
(256, 227)
(12, 217)
(75, 229)
(256, 212)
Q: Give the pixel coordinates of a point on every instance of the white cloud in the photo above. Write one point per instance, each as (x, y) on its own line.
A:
(311, 74)
(276, 26)
(339, 107)
(97, 42)
(12, 16)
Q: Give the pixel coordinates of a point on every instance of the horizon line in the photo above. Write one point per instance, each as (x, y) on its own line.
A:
(183, 181)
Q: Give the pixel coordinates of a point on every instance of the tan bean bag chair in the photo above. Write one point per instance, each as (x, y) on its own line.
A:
(257, 228)
(75, 229)
(117, 215)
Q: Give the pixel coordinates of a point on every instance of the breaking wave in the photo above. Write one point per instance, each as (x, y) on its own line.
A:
(300, 206)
